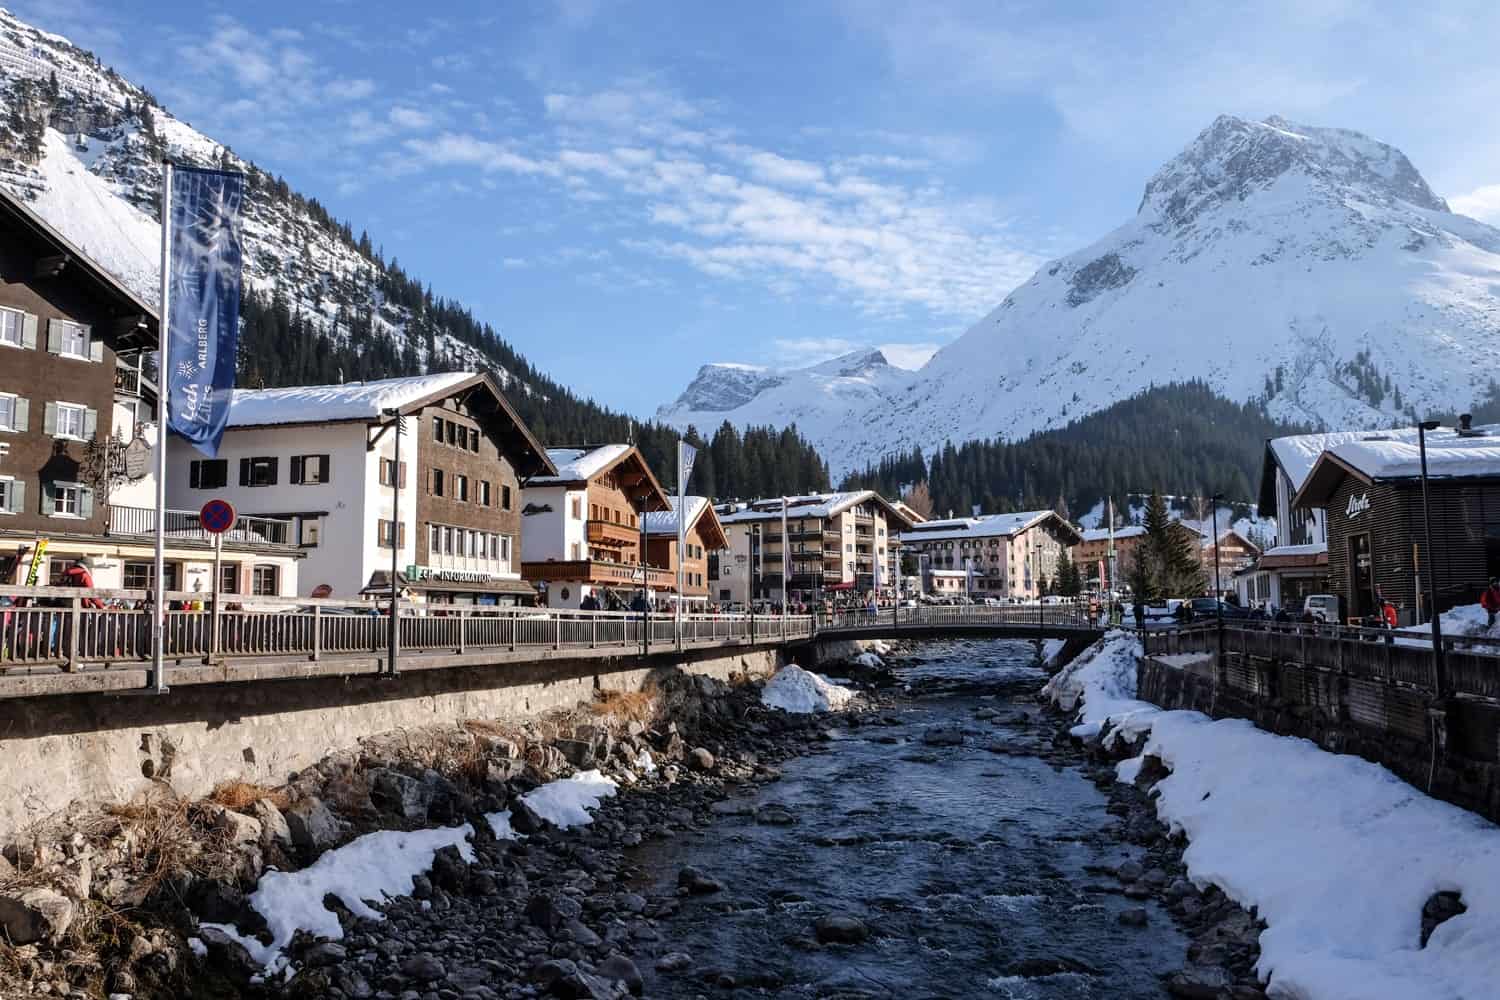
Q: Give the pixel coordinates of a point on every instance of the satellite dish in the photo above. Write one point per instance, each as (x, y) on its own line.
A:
(322, 590)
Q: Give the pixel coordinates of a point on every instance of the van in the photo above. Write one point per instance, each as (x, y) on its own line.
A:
(1322, 608)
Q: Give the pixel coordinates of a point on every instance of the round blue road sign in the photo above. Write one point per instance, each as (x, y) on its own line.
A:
(216, 516)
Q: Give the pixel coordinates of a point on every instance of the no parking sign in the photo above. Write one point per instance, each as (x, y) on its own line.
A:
(217, 516)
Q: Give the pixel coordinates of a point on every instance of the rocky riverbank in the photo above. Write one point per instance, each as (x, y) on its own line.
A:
(130, 901)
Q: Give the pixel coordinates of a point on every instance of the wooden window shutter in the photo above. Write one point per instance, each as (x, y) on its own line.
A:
(28, 331)
(244, 472)
(90, 423)
(54, 337)
(195, 475)
(45, 496)
(85, 502)
(322, 468)
(275, 463)
(401, 536)
(401, 476)
(17, 496)
(96, 346)
(49, 421)
(23, 414)
(296, 476)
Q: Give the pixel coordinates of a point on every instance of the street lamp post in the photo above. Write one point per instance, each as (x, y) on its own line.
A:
(1218, 585)
(393, 639)
(1439, 671)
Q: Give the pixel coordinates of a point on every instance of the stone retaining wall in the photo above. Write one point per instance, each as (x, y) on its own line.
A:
(89, 749)
(1379, 722)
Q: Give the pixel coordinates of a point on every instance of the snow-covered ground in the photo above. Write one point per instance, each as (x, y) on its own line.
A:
(1337, 854)
(793, 689)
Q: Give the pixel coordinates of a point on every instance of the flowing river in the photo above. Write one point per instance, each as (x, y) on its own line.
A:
(977, 867)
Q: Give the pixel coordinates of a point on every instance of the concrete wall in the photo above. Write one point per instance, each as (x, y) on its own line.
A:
(90, 749)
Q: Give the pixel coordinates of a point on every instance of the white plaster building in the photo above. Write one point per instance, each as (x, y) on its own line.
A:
(324, 457)
(1008, 555)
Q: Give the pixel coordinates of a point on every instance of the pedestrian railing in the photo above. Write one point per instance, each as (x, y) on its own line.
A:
(64, 627)
(979, 616)
(1402, 658)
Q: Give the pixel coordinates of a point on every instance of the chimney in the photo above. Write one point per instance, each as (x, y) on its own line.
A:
(1466, 426)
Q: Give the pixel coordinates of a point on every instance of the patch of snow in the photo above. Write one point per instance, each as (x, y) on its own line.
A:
(575, 465)
(375, 867)
(1337, 854)
(802, 692)
(870, 661)
(567, 802)
(500, 825)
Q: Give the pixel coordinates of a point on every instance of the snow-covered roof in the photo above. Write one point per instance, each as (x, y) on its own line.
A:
(1102, 534)
(1396, 454)
(578, 465)
(316, 404)
(664, 522)
(1297, 453)
(983, 526)
(807, 505)
(1312, 549)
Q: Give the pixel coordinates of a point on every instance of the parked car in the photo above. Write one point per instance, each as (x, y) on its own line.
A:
(1322, 607)
(1202, 609)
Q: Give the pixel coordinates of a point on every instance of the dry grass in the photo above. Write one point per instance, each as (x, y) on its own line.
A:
(165, 839)
(629, 706)
(241, 795)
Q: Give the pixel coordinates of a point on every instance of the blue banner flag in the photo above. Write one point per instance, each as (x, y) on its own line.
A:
(202, 323)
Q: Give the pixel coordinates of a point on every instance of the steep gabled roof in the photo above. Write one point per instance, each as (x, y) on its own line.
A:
(125, 304)
(700, 513)
(987, 526)
(369, 401)
(1396, 455)
(579, 465)
(821, 505)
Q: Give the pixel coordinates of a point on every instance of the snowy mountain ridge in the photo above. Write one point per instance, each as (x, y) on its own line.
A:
(1310, 268)
(813, 398)
(84, 146)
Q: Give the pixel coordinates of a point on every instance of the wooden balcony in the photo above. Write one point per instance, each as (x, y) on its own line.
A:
(595, 571)
(611, 534)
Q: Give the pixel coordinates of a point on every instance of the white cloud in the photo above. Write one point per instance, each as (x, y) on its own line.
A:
(775, 169)
(1483, 203)
(349, 90)
(460, 149)
(409, 118)
(800, 352)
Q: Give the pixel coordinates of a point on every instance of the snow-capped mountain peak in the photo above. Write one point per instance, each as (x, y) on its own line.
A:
(1309, 268)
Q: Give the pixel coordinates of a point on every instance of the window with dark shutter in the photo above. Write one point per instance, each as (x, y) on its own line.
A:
(244, 472)
(296, 470)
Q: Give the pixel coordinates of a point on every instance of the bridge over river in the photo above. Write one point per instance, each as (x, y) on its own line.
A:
(75, 647)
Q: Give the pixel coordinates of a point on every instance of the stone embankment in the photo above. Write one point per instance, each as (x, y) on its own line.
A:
(127, 901)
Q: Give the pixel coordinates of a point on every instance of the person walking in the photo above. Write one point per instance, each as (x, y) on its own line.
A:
(1490, 600)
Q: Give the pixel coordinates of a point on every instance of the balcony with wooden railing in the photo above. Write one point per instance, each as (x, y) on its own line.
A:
(612, 534)
(598, 571)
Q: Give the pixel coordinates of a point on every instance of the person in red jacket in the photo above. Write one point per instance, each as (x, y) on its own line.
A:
(80, 574)
(1490, 600)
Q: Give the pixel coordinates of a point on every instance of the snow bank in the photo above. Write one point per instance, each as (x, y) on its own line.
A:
(793, 689)
(566, 802)
(1337, 854)
(871, 661)
(374, 867)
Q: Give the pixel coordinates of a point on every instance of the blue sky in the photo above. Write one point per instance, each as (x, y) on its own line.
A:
(629, 190)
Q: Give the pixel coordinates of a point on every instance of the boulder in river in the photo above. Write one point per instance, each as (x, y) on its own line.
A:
(697, 883)
(943, 736)
(840, 928)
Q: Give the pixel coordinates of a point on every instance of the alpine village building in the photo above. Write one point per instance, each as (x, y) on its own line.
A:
(78, 433)
(834, 543)
(994, 555)
(583, 534)
(1369, 490)
(324, 460)
(702, 534)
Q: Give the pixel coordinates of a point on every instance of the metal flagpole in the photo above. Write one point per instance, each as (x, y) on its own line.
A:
(786, 553)
(163, 405)
(681, 552)
(1113, 570)
(395, 633)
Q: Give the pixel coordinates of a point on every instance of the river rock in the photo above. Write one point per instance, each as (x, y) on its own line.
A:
(424, 968)
(1181, 888)
(273, 825)
(400, 795)
(1155, 878)
(774, 815)
(1199, 982)
(35, 915)
(582, 934)
(313, 825)
(1440, 907)
(699, 759)
(733, 807)
(579, 753)
(550, 971)
(1136, 916)
(697, 883)
(1130, 871)
(227, 954)
(325, 953)
(551, 911)
(236, 827)
(620, 969)
(674, 961)
(943, 736)
(840, 929)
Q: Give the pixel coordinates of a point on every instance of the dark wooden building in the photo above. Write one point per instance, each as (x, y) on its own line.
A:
(1371, 490)
(72, 342)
